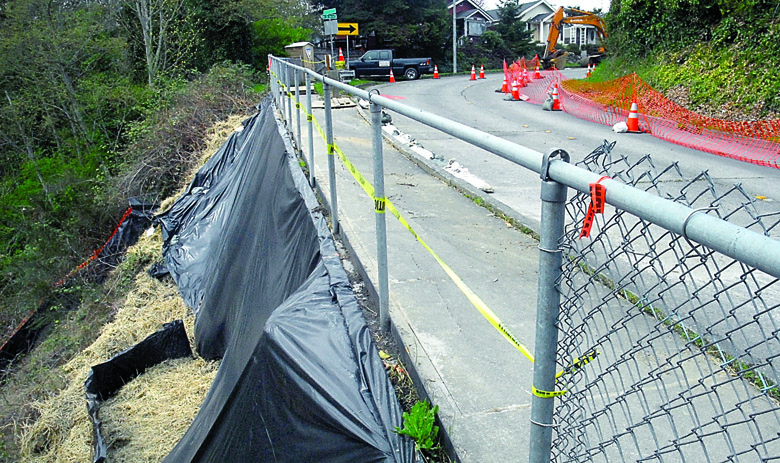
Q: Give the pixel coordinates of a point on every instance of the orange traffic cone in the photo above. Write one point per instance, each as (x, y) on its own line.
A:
(481, 71)
(519, 79)
(556, 101)
(633, 118)
(588, 74)
(392, 78)
(515, 91)
(435, 71)
(537, 74)
(525, 75)
(341, 55)
(504, 87)
(473, 73)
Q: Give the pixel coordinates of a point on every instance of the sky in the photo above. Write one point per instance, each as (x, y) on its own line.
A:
(584, 4)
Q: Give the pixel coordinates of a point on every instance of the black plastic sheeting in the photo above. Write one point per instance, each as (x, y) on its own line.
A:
(301, 379)
(105, 379)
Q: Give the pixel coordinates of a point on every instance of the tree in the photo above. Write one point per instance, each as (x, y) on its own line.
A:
(513, 30)
(167, 32)
(411, 27)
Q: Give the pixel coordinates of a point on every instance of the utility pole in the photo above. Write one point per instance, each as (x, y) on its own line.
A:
(454, 39)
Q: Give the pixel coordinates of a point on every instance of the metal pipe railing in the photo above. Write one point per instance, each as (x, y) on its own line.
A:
(379, 208)
(749, 247)
(310, 124)
(752, 248)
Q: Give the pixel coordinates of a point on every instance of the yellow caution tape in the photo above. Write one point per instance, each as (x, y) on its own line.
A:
(365, 184)
(546, 394)
(579, 362)
(379, 205)
(382, 204)
(472, 297)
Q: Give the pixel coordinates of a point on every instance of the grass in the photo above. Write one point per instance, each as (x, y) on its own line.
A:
(712, 77)
(479, 201)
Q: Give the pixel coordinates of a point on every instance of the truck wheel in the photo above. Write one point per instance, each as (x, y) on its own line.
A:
(411, 73)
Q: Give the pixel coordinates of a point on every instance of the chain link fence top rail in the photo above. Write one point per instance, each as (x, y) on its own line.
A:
(609, 102)
(688, 340)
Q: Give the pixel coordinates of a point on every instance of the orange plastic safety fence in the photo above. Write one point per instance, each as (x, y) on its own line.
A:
(609, 103)
(533, 82)
(95, 254)
(81, 266)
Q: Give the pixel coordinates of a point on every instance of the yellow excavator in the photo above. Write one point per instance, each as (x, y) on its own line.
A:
(553, 56)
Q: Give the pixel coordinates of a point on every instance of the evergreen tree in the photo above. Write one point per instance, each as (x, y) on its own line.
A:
(513, 30)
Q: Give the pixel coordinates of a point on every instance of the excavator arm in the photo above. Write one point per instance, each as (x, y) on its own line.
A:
(575, 16)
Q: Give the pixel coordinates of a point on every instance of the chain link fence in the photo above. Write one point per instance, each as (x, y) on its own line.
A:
(688, 340)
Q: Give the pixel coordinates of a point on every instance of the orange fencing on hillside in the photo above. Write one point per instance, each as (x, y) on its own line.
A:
(609, 102)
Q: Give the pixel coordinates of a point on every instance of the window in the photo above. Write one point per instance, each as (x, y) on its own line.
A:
(384, 55)
(371, 56)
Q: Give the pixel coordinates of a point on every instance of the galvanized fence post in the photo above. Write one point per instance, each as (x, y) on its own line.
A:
(272, 78)
(296, 82)
(553, 197)
(310, 119)
(379, 208)
(287, 84)
(334, 206)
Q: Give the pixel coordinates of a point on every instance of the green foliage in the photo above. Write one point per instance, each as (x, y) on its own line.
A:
(271, 35)
(508, 42)
(513, 30)
(639, 27)
(418, 424)
(722, 53)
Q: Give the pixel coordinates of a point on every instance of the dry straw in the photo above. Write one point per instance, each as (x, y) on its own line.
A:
(149, 415)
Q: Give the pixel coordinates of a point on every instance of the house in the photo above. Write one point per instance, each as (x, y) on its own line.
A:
(472, 21)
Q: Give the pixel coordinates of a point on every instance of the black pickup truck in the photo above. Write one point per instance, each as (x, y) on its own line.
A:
(379, 63)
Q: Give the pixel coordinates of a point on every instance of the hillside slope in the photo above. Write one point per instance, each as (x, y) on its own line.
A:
(716, 57)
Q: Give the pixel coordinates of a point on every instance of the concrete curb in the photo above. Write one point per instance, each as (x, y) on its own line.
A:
(517, 219)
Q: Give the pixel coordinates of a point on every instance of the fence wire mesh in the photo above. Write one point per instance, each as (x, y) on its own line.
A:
(688, 340)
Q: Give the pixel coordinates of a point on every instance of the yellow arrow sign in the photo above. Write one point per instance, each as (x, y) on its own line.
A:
(348, 29)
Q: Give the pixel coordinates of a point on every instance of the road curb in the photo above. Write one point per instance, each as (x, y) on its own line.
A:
(495, 206)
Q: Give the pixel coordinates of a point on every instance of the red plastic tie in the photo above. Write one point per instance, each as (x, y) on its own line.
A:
(598, 201)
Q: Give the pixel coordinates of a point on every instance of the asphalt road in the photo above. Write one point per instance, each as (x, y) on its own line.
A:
(476, 103)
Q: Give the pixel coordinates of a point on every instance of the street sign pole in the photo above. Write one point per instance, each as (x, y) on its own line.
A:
(331, 27)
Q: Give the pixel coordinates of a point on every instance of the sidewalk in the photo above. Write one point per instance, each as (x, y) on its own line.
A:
(480, 382)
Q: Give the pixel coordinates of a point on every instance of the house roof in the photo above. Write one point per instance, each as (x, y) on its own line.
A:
(538, 18)
(476, 10)
(523, 7)
(473, 13)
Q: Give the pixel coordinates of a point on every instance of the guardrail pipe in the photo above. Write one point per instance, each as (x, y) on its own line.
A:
(548, 302)
(334, 205)
(747, 246)
(310, 123)
(381, 227)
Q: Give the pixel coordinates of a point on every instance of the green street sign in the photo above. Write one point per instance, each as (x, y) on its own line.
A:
(329, 14)
(329, 17)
